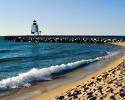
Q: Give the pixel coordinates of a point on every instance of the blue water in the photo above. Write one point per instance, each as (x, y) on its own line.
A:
(24, 62)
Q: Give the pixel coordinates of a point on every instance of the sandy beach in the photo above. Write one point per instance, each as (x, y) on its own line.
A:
(104, 84)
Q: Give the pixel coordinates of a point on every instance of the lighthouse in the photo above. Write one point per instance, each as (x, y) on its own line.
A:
(35, 28)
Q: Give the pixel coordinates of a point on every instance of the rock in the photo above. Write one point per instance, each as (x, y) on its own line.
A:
(112, 98)
(60, 98)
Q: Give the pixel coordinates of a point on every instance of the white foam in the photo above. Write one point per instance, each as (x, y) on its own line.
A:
(25, 79)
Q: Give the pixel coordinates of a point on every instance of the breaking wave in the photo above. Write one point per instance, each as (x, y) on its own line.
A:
(26, 79)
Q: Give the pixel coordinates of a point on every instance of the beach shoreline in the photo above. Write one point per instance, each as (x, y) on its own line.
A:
(50, 95)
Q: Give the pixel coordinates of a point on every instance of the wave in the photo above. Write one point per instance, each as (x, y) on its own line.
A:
(26, 79)
(13, 58)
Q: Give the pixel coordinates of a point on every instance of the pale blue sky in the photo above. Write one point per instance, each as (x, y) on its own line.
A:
(67, 17)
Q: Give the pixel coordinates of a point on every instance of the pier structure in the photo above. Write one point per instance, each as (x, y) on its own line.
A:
(37, 37)
(67, 39)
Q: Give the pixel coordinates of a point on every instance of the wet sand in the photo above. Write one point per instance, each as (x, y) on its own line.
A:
(106, 83)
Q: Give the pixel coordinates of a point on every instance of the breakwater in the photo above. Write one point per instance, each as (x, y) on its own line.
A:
(67, 39)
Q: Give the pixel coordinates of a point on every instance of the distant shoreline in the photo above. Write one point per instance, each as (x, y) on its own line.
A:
(50, 95)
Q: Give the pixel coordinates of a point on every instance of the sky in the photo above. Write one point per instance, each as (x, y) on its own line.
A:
(63, 17)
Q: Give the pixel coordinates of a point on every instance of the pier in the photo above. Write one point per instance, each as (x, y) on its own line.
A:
(67, 39)
(37, 37)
